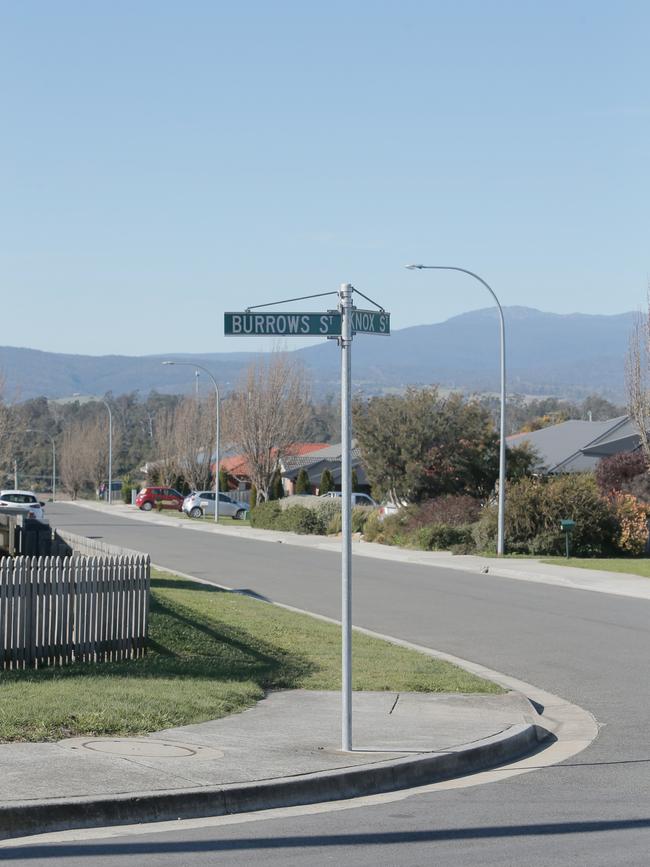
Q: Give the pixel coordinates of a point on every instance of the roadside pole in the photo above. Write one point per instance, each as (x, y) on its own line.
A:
(339, 325)
(345, 341)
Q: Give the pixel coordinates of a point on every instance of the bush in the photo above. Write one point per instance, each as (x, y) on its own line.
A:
(632, 523)
(373, 527)
(127, 487)
(534, 509)
(618, 471)
(360, 515)
(300, 519)
(441, 537)
(452, 510)
(265, 515)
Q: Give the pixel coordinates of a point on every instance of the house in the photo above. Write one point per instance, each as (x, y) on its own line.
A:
(576, 446)
(326, 458)
(237, 467)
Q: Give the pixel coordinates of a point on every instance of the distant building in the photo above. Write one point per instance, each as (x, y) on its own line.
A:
(577, 446)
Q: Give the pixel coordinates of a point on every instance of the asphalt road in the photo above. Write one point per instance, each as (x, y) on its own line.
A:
(589, 648)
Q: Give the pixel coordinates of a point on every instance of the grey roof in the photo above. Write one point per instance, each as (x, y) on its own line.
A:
(563, 448)
(290, 463)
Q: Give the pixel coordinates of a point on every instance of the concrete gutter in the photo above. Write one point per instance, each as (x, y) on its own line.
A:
(40, 816)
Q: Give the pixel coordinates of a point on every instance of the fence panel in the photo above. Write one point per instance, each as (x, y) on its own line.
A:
(55, 610)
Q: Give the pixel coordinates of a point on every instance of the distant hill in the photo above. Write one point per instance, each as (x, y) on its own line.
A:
(547, 353)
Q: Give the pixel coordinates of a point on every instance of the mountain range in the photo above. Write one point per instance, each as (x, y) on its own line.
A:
(566, 355)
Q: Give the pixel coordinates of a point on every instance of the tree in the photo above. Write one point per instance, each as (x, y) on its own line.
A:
(73, 460)
(267, 415)
(5, 434)
(637, 379)
(223, 480)
(354, 481)
(303, 485)
(420, 445)
(277, 490)
(326, 482)
(193, 441)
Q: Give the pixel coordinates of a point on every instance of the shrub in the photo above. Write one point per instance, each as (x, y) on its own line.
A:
(441, 537)
(360, 515)
(615, 473)
(329, 511)
(127, 487)
(535, 508)
(300, 519)
(253, 497)
(373, 527)
(265, 515)
(632, 523)
(453, 510)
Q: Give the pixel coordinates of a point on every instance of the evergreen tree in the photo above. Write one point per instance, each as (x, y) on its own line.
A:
(253, 500)
(223, 480)
(277, 490)
(355, 481)
(303, 485)
(326, 483)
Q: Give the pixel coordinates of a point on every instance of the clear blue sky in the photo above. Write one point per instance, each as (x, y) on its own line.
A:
(161, 162)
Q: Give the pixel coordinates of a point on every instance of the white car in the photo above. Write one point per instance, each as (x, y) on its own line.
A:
(25, 501)
(357, 499)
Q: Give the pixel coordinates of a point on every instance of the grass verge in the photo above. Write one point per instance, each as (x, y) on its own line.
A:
(211, 653)
(606, 564)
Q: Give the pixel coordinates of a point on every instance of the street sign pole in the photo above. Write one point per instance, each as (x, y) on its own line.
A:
(346, 308)
(340, 325)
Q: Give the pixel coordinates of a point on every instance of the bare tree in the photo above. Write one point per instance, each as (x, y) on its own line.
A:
(637, 377)
(94, 451)
(268, 414)
(165, 453)
(73, 461)
(194, 437)
(6, 435)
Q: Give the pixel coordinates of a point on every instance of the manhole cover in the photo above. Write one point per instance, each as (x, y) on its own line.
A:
(146, 748)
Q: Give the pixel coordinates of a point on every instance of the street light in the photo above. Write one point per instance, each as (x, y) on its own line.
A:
(51, 439)
(110, 442)
(502, 444)
(216, 461)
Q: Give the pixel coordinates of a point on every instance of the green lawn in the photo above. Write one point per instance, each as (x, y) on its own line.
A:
(211, 653)
(619, 564)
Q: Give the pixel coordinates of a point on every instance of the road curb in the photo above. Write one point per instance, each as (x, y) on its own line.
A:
(37, 817)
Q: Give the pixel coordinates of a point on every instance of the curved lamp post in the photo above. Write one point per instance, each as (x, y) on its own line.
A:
(502, 433)
(216, 460)
(51, 439)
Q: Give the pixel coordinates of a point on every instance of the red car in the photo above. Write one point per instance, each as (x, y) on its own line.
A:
(167, 498)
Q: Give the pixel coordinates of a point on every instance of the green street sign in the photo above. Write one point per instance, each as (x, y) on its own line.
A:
(370, 322)
(283, 324)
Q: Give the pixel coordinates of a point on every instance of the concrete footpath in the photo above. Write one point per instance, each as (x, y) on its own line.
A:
(279, 753)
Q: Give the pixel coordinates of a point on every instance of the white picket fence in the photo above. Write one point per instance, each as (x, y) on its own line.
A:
(59, 610)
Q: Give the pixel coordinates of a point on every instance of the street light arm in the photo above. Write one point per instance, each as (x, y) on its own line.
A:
(463, 271)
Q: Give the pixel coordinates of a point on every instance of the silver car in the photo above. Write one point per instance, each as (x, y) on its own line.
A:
(201, 503)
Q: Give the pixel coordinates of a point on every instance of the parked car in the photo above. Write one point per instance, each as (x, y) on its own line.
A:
(168, 498)
(24, 500)
(200, 503)
(357, 499)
